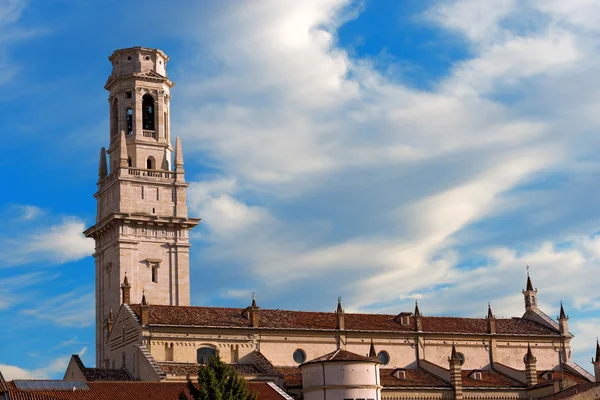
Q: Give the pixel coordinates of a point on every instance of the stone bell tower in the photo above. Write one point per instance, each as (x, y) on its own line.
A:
(142, 223)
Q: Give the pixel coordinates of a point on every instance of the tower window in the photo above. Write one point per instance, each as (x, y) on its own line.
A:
(128, 94)
(115, 117)
(129, 121)
(150, 163)
(155, 273)
(148, 112)
(129, 162)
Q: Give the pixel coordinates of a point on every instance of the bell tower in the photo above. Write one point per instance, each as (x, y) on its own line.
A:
(142, 225)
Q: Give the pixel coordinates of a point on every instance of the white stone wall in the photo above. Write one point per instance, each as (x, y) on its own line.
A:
(340, 380)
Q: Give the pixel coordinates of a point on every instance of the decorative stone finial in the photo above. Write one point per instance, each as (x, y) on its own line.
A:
(372, 352)
(417, 312)
(102, 167)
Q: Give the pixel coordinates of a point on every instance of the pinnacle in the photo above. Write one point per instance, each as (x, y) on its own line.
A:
(372, 352)
(339, 306)
(562, 315)
(417, 312)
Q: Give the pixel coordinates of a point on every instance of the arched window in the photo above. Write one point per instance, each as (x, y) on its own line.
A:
(168, 352)
(129, 121)
(129, 163)
(150, 163)
(204, 354)
(114, 117)
(148, 112)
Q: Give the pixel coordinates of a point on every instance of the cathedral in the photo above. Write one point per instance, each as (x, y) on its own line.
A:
(147, 330)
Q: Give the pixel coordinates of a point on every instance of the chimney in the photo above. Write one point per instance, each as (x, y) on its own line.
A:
(456, 374)
(253, 313)
(491, 320)
(145, 310)
(530, 371)
(418, 318)
(596, 362)
(126, 289)
(339, 315)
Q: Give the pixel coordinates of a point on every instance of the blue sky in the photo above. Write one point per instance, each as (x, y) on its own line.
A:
(384, 151)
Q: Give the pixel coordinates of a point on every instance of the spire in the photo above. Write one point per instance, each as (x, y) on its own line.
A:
(123, 151)
(597, 352)
(562, 312)
(529, 285)
(102, 168)
(125, 280)
(529, 356)
(111, 317)
(253, 301)
(144, 301)
(372, 352)
(178, 155)
(126, 290)
(490, 315)
(417, 312)
(453, 355)
(339, 306)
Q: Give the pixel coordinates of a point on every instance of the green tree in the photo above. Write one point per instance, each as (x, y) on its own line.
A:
(218, 381)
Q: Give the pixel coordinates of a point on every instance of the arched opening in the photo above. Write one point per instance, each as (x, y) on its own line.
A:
(204, 354)
(150, 163)
(114, 117)
(129, 121)
(129, 162)
(148, 112)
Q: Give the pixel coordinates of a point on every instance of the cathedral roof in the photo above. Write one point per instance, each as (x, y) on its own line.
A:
(183, 369)
(307, 320)
(128, 391)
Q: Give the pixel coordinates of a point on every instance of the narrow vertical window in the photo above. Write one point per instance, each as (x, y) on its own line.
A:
(115, 117)
(129, 161)
(166, 127)
(155, 273)
(148, 112)
(150, 163)
(142, 193)
(129, 121)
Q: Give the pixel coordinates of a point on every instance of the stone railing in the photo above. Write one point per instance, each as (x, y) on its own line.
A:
(149, 134)
(152, 173)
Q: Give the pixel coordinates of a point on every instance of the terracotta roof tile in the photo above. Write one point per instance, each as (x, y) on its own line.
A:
(343, 355)
(292, 377)
(183, 369)
(558, 375)
(413, 378)
(285, 319)
(127, 391)
(489, 378)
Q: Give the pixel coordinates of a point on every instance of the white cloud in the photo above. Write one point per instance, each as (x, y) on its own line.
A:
(75, 308)
(52, 370)
(59, 243)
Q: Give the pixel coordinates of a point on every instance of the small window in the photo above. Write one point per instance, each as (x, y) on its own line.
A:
(129, 58)
(477, 375)
(384, 357)
(155, 273)
(128, 94)
(147, 58)
(299, 356)
(129, 162)
(148, 112)
(150, 163)
(461, 357)
(204, 354)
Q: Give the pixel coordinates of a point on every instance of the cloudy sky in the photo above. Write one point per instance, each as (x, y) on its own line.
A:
(379, 150)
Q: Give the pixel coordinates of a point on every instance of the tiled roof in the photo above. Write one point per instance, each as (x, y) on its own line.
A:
(127, 391)
(412, 378)
(183, 369)
(292, 377)
(489, 378)
(572, 391)
(102, 374)
(285, 319)
(343, 355)
(558, 375)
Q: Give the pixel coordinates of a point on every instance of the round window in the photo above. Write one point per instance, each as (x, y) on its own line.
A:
(384, 357)
(461, 357)
(129, 58)
(147, 58)
(299, 356)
